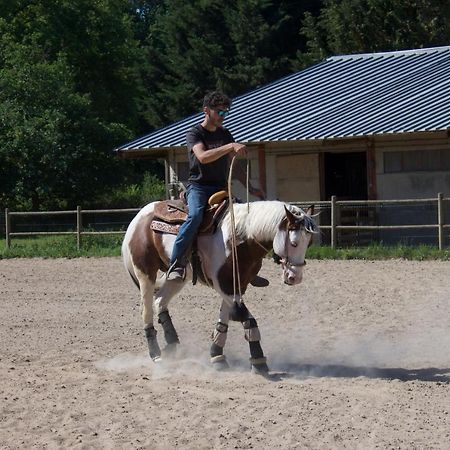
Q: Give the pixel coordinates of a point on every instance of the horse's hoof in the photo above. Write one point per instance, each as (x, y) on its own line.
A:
(260, 369)
(220, 363)
(259, 366)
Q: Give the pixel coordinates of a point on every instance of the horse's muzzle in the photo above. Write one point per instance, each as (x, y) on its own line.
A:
(292, 277)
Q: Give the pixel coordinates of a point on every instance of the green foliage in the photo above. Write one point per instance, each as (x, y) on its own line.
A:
(97, 39)
(109, 245)
(202, 45)
(62, 247)
(54, 149)
(66, 99)
(359, 26)
(377, 251)
(80, 77)
(134, 195)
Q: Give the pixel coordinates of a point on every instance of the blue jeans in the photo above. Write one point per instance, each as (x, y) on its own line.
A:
(197, 200)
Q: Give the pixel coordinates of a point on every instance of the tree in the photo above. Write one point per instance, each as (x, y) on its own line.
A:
(97, 39)
(202, 45)
(358, 26)
(54, 151)
(69, 93)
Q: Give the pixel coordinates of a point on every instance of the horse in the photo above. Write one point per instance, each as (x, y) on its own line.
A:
(254, 228)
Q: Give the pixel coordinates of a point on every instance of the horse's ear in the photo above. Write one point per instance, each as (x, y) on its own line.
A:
(310, 210)
(290, 217)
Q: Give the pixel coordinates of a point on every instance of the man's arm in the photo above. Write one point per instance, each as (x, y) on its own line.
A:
(213, 154)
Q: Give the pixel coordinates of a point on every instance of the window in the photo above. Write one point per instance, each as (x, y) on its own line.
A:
(392, 162)
(416, 161)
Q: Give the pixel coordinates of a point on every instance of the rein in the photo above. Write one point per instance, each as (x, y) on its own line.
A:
(233, 230)
(284, 261)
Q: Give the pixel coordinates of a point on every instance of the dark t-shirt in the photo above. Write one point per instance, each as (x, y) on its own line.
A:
(216, 172)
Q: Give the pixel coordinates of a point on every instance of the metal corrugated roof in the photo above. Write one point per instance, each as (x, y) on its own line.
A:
(343, 96)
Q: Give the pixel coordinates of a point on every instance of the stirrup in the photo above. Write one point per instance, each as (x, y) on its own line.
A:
(176, 272)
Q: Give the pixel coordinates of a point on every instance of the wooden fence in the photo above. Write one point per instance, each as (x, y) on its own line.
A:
(78, 215)
(335, 220)
(334, 206)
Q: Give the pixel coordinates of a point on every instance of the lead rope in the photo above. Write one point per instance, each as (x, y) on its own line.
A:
(233, 228)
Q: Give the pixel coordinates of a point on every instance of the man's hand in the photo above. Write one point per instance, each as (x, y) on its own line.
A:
(239, 149)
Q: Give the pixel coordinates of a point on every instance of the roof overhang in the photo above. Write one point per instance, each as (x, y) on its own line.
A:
(144, 153)
(341, 97)
(317, 144)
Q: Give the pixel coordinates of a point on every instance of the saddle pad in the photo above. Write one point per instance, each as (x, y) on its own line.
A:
(165, 227)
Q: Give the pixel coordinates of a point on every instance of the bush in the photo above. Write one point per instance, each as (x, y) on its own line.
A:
(135, 195)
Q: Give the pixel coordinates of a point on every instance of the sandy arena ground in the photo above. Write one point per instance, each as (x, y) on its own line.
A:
(359, 354)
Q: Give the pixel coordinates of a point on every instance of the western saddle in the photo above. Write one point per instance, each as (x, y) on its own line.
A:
(169, 215)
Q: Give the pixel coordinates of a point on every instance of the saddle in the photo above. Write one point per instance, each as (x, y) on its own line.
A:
(169, 215)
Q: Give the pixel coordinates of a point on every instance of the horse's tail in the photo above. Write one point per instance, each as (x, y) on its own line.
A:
(126, 258)
(126, 255)
(135, 280)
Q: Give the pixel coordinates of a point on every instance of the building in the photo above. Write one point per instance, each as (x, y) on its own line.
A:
(367, 126)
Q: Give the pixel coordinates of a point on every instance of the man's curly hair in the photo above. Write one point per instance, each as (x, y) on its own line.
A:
(216, 98)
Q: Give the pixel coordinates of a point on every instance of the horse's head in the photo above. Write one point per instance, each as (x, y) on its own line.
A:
(291, 241)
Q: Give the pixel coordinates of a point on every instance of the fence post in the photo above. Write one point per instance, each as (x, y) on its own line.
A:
(440, 220)
(333, 222)
(7, 228)
(79, 225)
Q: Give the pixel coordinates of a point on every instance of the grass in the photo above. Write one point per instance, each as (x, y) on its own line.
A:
(99, 246)
(378, 251)
(61, 247)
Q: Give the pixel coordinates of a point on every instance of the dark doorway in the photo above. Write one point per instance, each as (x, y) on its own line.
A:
(346, 176)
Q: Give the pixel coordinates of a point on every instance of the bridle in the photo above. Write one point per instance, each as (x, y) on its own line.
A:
(285, 261)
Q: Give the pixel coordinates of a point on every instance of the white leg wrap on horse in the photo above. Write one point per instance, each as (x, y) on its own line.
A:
(251, 331)
(256, 361)
(218, 358)
(252, 335)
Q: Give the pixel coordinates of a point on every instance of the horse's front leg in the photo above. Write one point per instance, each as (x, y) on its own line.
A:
(240, 313)
(219, 337)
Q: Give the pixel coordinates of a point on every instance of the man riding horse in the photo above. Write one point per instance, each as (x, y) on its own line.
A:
(210, 148)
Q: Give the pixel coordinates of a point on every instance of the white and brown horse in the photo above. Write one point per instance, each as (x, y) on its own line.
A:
(259, 226)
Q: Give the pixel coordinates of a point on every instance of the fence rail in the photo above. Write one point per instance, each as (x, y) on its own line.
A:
(78, 214)
(334, 207)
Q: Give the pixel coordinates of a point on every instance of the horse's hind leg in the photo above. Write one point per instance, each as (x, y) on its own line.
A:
(162, 298)
(240, 313)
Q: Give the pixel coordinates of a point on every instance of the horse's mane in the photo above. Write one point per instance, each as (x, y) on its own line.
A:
(262, 219)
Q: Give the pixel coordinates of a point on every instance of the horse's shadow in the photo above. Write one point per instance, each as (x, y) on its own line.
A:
(302, 371)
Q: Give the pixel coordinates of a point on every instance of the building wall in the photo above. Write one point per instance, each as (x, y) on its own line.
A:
(293, 171)
(413, 166)
(297, 177)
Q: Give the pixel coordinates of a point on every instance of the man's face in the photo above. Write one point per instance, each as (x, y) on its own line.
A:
(217, 114)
